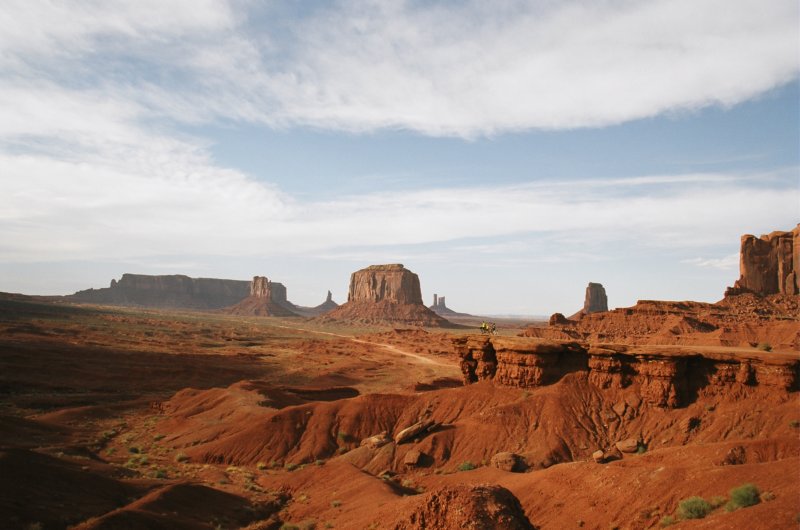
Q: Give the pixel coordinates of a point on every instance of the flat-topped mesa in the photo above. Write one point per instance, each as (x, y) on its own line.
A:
(596, 299)
(656, 375)
(386, 294)
(393, 283)
(167, 291)
(769, 264)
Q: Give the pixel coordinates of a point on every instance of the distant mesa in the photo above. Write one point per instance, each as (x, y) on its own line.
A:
(170, 291)
(267, 298)
(386, 294)
(769, 264)
(595, 301)
(440, 308)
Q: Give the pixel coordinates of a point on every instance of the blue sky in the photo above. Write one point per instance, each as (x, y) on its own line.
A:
(507, 152)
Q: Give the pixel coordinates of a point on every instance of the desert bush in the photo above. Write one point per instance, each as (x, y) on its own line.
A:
(336, 503)
(261, 466)
(694, 508)
(794, 424)
(742, 497)
(764, 346)
(666, 521)
(290, 466)
(466, 466)
(181, 457)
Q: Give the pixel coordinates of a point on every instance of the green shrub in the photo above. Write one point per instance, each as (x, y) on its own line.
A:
(666, 521)
(694, 508)
(466, 466)
(743, 496)
(181, 457)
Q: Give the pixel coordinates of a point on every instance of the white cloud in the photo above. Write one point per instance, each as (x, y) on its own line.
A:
(725, 263)
(460, 69)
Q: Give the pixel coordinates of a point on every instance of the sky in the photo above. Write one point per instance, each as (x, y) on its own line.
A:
(508, 152)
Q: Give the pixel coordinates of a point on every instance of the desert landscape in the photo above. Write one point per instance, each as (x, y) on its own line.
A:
(156, 404)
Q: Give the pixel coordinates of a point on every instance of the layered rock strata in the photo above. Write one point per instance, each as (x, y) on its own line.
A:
(596, 299)
(169, 291)
(769, 264)
(267, 298)
(745, 320)
(386, 294)
(660, 376)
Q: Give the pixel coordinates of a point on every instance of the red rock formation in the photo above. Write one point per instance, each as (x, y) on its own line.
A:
(661, 376)
(745, 320)
(596, 299)
(463, 506)
(386, 294)
(266, 298)
(170, 291)
(769, 264)
(440, 308)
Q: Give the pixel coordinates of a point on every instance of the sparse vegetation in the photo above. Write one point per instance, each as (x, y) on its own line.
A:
(794, 424)
(261, 466)
(466, 466)
(641, 449)
(742, 497)
(717, 501)
(764, 346)
(694, 508)
(336, 503)
(181, 457)
(666, 521)
(289, 466)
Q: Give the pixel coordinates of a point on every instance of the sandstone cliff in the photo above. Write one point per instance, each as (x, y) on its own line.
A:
(742, 321)
(170, 291)
(386, 294)
(267, 298)
(595, 301)
(659, 375)
(769, 264)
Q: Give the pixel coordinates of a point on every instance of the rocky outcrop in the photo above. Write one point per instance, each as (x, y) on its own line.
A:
(746, 320)
(660, 376)
(466, 506)
(267, 298)
(596, 299)
(170, 291)
(769, 264)
(385, 294)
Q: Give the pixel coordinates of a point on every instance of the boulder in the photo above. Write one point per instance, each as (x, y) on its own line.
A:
(413, 431)
(375, 441)
(631, 445)
(412, 458)
(507, 461)
(602, 457)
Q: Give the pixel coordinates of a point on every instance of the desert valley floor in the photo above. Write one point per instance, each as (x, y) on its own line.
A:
(131, 418)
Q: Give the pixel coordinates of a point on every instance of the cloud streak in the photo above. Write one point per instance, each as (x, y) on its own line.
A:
(467, 69)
